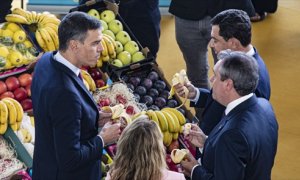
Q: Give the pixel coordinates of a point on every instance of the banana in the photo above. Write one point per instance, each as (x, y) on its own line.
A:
(181, 78)
(3, 128)
(53, 26)
(152, 116)
(111, 40)
(105, 58)
(40, 40)
(171, 122)
(167, 139)
(53, 36)
(34, 17)
(47, 38)
(175, 136)
(3, 113)
(177, 155)
(86, 84)
(19, 109)
(105, 50)
(187, 128)
(163, 123)
(109, 45)
(175, 119)
(116, 110)
(178, 114)
(21, 12)
(99, 62)
(12, 112)
(14, 126)
(16, 19)
(86, 76)
(49, 19)
(125, 118)
(134, 117)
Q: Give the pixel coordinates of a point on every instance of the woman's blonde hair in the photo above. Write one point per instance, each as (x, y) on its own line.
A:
(140, 152)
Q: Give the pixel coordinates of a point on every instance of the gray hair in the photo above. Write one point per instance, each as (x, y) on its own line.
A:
(241, 69)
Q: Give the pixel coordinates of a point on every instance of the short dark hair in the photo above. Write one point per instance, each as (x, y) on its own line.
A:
(74, 26)
(241, 69)
(234, 23)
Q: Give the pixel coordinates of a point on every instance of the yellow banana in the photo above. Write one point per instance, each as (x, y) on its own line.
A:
(181, 78)
(171, 123)
(152, 116)
(134, 117)
(49, 19)
(12, 112)
(54, 36)
(53, 26)
(3, 128)
(21, 12)
(178, 114)
(111, 40)
(99, 62)
(175, 136)
(19, 109)
(177, 155)
(16, 19)
(105, 50)
(86, 84)
(86, 76)
(3, 113)
(40, 40)
(116, 110)
(167, 139)
(105, 58)
(14, 126)
(175, 119)
(163, 123)
(109, 45)
(47, 38)
(34, 17)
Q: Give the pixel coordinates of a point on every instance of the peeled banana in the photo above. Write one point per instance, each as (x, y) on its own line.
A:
(181, 78)
(177, 155)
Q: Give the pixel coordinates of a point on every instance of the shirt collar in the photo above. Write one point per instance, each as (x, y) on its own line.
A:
(236, 102)
(251, 52)
(58, 57)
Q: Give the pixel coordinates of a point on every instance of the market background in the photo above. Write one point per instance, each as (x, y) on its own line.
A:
(277, 39)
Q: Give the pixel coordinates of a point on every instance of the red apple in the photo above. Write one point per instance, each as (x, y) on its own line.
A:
(28, 89)
(12, 83)
(130, 110)
(3, 87)
(20, 94)
(100, 83)
(95, 73)
(25, 79)
(104, 102)
(26, 104)
(7, 94)
(173, 145)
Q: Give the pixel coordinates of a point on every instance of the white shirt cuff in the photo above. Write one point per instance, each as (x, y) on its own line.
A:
(197, 96)
(193, 169)
(101, 140)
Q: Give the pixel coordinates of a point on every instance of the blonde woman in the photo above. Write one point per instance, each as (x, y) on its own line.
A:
(141, 154)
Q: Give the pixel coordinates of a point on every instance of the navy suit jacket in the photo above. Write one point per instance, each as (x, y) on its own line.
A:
(243, 145)
(66, 141)
(213, 111)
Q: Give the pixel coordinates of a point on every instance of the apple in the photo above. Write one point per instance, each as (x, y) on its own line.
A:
(110, 33)
(28, 89)
(94, 13)
(26, 104)
(174, 145)
(7, 94)
(104, 102)
(117, 63)
(100, 83)
(138, 56)
(95, 73)
(123, 37)
(12, 83)
(25, 79)
(107, 16)
(3, 87)
(131, 47)
(115, 26)
(104, 25)
(20, 94)
(119, 47)
(125, 57)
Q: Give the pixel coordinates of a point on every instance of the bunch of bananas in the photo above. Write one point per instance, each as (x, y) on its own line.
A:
(11, 112)
(44, 25)
(170, 121)
(181, 78)
(88, 81)
(109, 50)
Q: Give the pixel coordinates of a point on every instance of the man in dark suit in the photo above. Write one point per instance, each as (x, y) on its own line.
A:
(68, 144)
(243, 145)
(5, 9)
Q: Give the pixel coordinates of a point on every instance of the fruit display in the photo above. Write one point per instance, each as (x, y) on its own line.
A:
(16, 49)
(43, 25)
(119, 47)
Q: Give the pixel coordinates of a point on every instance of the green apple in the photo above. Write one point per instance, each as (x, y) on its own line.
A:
(110, 33)
(131, 47)
(123, 37)
(125, 57)
(117, 63)
(119, 47)
(115, 26)
(138, 56)
(107, 16)
(104, 25)
(94, 13)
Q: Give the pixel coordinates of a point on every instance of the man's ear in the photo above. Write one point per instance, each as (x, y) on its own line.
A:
(229, 84)
(234, 43)
(73, 44)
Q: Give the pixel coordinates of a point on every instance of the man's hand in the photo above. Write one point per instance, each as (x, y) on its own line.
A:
(180, 90)
(196, 136)
(110, 132)
(187, 164)
(104, 117)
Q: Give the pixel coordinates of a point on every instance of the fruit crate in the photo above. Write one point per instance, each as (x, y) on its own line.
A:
(138, 80)
(105, 5)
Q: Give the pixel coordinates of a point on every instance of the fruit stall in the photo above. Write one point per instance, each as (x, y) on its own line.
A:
(126, 81)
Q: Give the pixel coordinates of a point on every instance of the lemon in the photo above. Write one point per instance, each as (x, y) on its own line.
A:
(16, 58)
(27, 44)
(4, 51)
(8, 65)
(7, 33)
(19, 36)
(13, 27)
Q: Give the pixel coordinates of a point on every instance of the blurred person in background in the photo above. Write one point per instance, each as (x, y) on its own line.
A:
(262, 8)
(5, 9)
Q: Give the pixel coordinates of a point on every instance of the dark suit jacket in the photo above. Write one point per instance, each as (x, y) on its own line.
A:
(243, 145)
(213, 111)
(66, 143)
